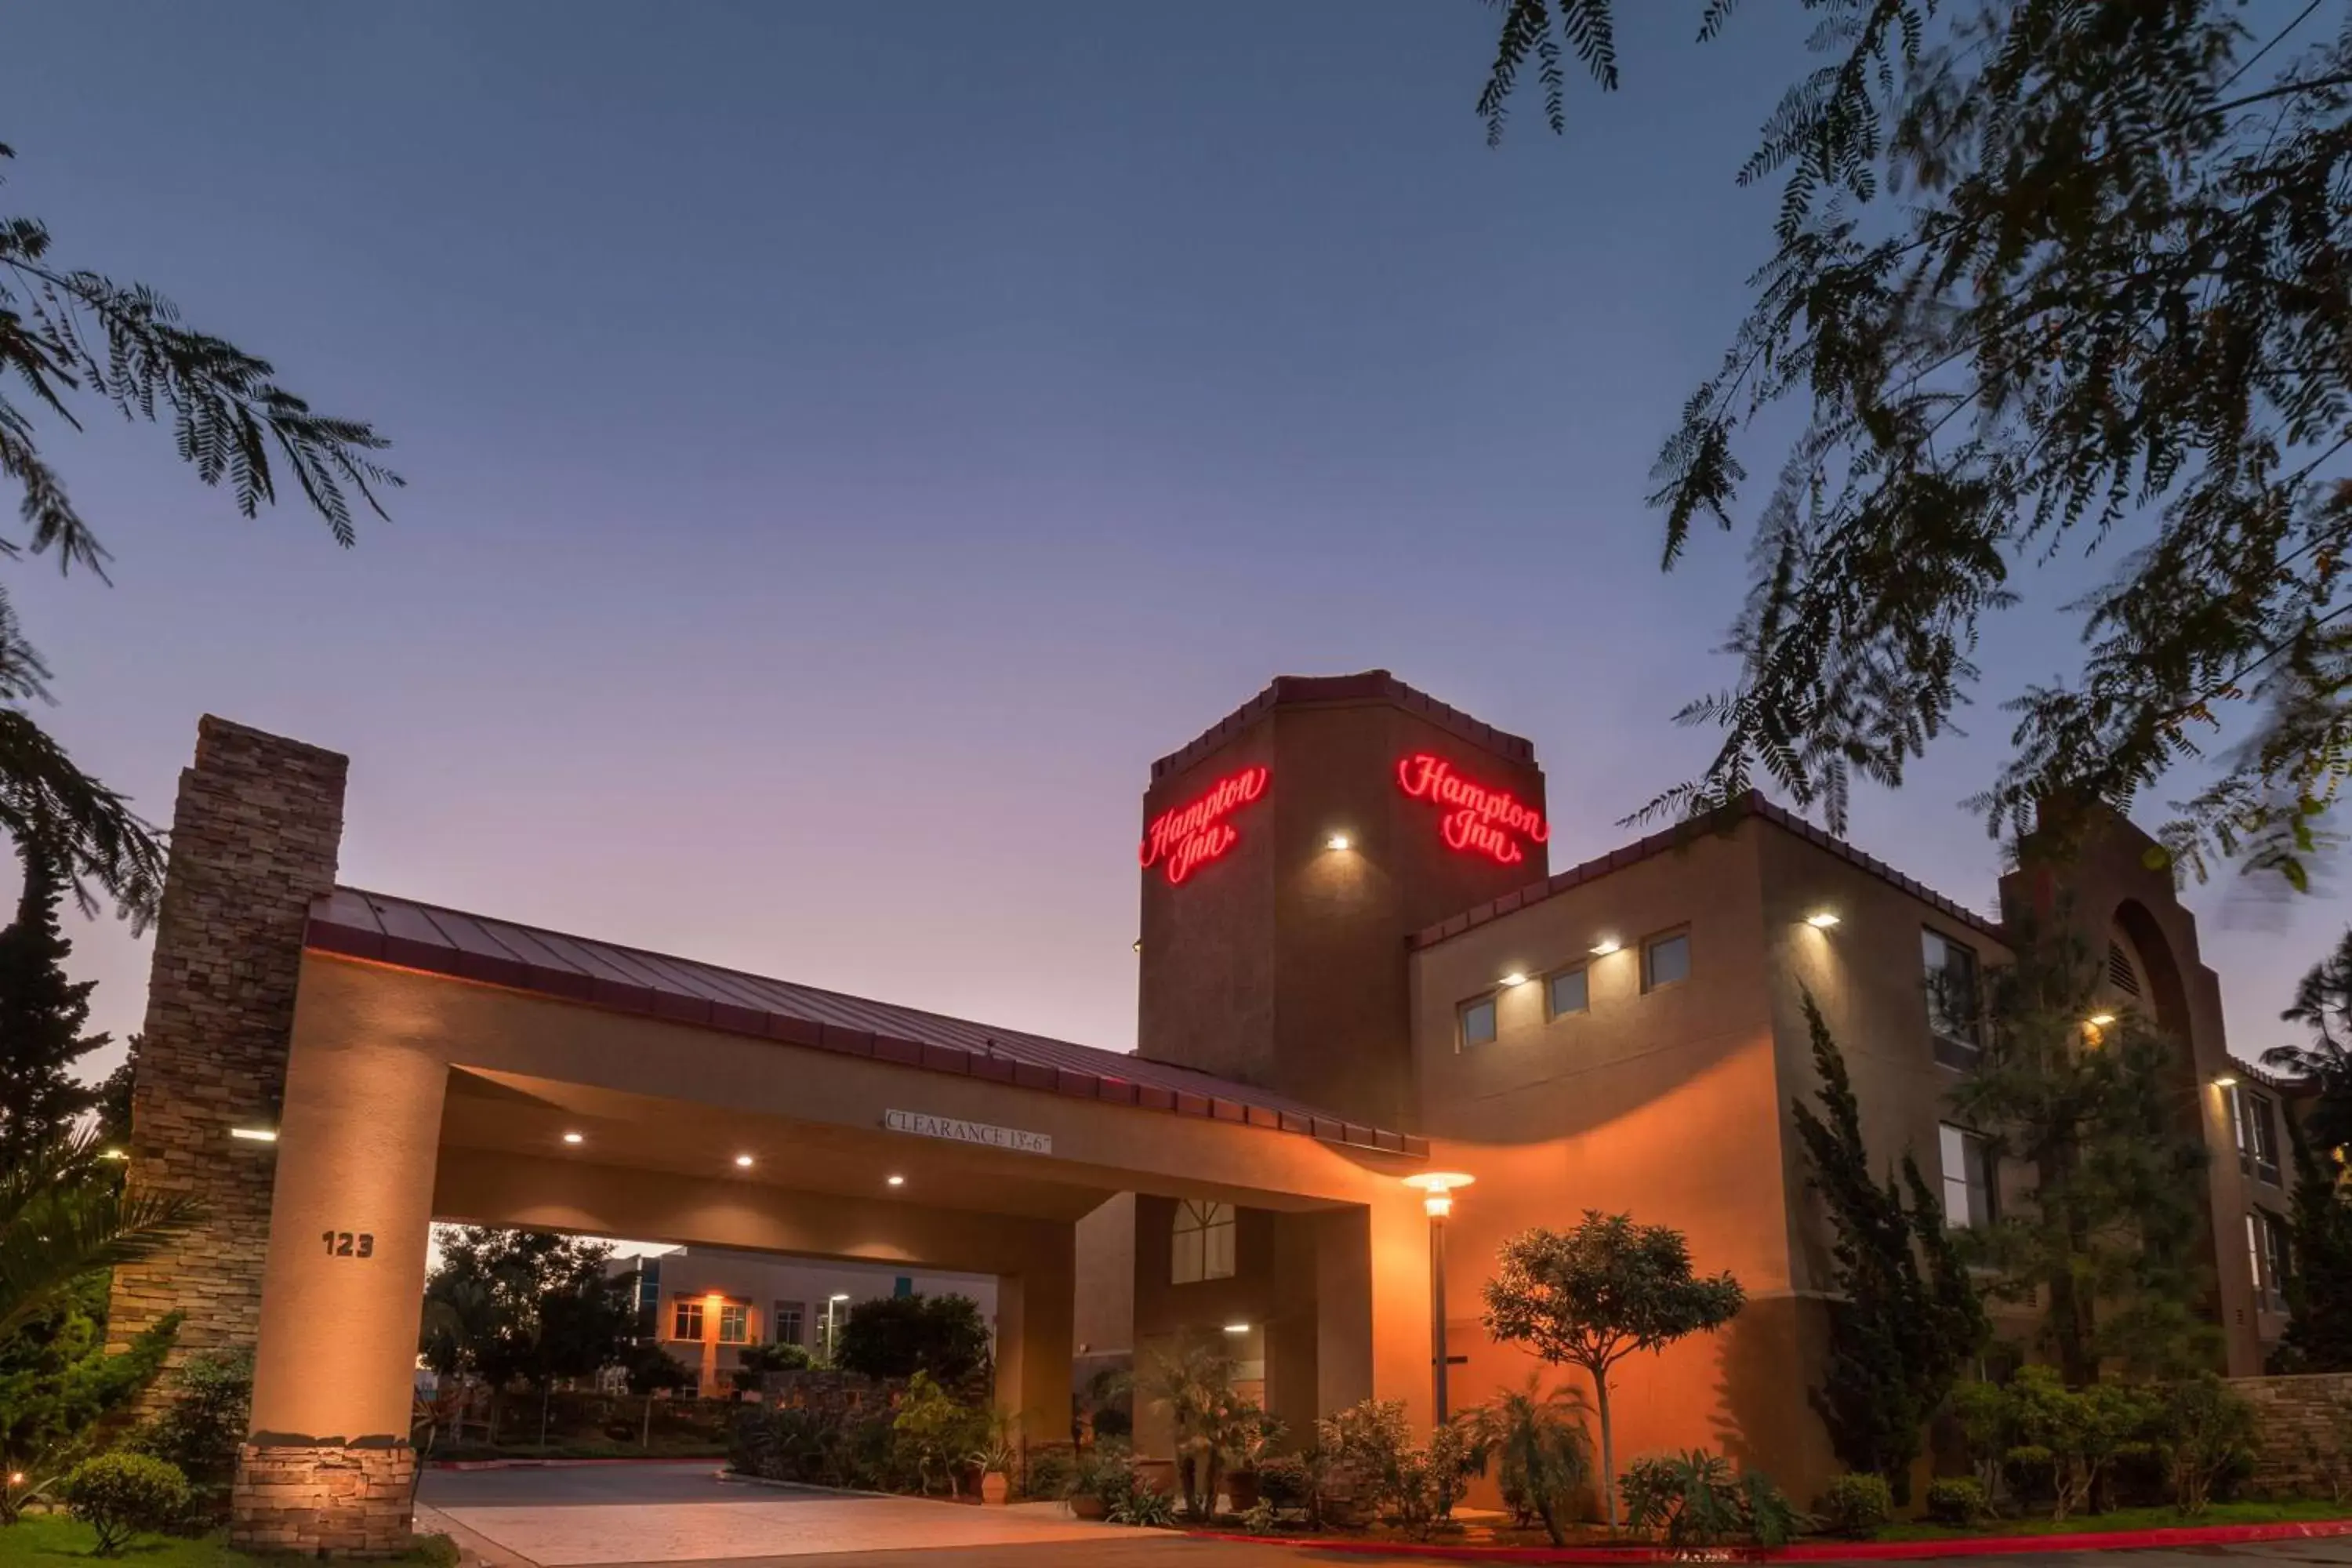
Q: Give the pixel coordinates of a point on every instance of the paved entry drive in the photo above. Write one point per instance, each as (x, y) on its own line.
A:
(599, 1514)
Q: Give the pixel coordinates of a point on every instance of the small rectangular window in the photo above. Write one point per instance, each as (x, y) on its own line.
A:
(1953, 1008)
(790, 1316)
(1665, 961)
(734, 1323)
(686, 1318)
(2254, 1255)
(1970, 1188)
(1201, 1245)
(1568, 991)
(2275, 1260)
(1478, 1021)
(2260, 1138)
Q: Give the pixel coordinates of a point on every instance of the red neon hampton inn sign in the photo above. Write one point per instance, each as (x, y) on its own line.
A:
(1477, 820)
(1182, 840)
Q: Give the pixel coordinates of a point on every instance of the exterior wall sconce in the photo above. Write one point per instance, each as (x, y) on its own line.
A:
(1516, 977)
(1821, 920)
(1606, 946)
(255, 1134)
(2225, 1080)
(1438, 1189)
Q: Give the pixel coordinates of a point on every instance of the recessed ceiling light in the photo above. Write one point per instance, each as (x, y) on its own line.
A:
(575, 1138)
(744, 1161)
(1338, 841)
(896, 1180)
(1606, 946)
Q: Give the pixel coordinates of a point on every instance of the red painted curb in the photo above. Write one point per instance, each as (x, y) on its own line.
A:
(1820, 1551)
(571, 1463)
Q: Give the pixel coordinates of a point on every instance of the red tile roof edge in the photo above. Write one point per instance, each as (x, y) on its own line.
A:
(346, 940)
(1368, 686)
(1723, 819)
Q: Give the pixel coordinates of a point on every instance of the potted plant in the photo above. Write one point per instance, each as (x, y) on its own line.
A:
(997, 1460)
(1102, 1477)
(1194, 1388)
(1250, 1433)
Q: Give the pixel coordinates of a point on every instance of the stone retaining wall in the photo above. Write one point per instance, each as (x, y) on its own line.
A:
(2306, 1433)
(324, 1499)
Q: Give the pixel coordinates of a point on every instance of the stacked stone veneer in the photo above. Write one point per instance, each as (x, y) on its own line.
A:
(2306, 1433)
(253, 836)
(327, 1500)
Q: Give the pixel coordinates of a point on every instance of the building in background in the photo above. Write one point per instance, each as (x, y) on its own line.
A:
(704, 1305)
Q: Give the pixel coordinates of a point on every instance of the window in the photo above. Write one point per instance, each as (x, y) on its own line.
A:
(1950, 973)
(734, 1323)
(2271, 1231)
(1478, 1021)
(1665, 961)
(648, 1297)
(2258, 1136)
(1202, 1247)
(1568, 992)
(1970, 1191)
(790, 1317)
(2254, 1254)
(686, 1318)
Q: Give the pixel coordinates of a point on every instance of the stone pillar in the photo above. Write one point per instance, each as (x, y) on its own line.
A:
(1036, 1340)
(253, 836)
(327, 1467)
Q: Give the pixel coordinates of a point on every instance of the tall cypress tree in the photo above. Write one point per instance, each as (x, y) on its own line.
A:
(1905, 1318)
(41, 1019)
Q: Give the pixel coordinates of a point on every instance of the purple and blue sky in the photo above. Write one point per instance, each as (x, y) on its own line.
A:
(848, 442)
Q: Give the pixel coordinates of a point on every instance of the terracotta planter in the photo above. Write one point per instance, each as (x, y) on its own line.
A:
(994, 1489)
(1084, 1505)
(1241, 1490)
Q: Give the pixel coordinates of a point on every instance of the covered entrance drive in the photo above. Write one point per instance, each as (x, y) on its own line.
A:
(331, 1071)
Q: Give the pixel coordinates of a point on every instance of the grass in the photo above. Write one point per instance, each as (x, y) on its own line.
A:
(53, 1541)
(2299, 1512)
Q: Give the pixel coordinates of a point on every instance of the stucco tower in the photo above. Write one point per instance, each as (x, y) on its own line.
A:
(1288, 852)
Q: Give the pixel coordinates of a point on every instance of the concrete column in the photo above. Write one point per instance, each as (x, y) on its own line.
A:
(1035, 1340)
(253, 836)
(1372, 1308)
(328, 1468)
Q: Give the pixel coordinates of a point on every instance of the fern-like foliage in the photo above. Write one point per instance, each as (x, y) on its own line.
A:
(63, 1215)
(70, 338)
(2112, 315)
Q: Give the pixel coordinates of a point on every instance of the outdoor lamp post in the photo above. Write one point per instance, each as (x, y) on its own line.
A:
(1438, 1189)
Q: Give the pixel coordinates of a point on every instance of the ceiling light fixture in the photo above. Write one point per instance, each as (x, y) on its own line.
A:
(744, 1161)
(896, 1180)
(2225, 1080)
(1821, 920)
(1237, 1328)
(575, 1138)
(1516, 977)
(255, 1134)
(1337, 841)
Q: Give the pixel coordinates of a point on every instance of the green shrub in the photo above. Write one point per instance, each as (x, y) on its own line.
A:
(2208, 1433)
(1958, 1500)
(1693, 1499)
(120, 1494)
(1145, 1507)
(1857, 1505)
(436, 1552)
(1258, 1517)
(1049, 1471)
(754, 1363)
(200, 1427)
(1103, 1470)
(936, 1434)
(1285, 1481)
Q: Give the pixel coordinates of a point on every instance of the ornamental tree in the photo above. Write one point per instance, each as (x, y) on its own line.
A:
(2323, 1003)
(1593, 1296)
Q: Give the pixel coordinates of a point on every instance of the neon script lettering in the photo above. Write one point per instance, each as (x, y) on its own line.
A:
(1182, 840)
(1477, 820)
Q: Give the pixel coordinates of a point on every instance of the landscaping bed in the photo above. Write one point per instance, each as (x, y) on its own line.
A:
(53, 1541)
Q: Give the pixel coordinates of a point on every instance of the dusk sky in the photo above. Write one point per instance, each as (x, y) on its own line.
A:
(848, 442)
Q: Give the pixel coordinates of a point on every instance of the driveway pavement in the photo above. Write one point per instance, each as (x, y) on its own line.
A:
(621, 1516)
(591, 1516)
